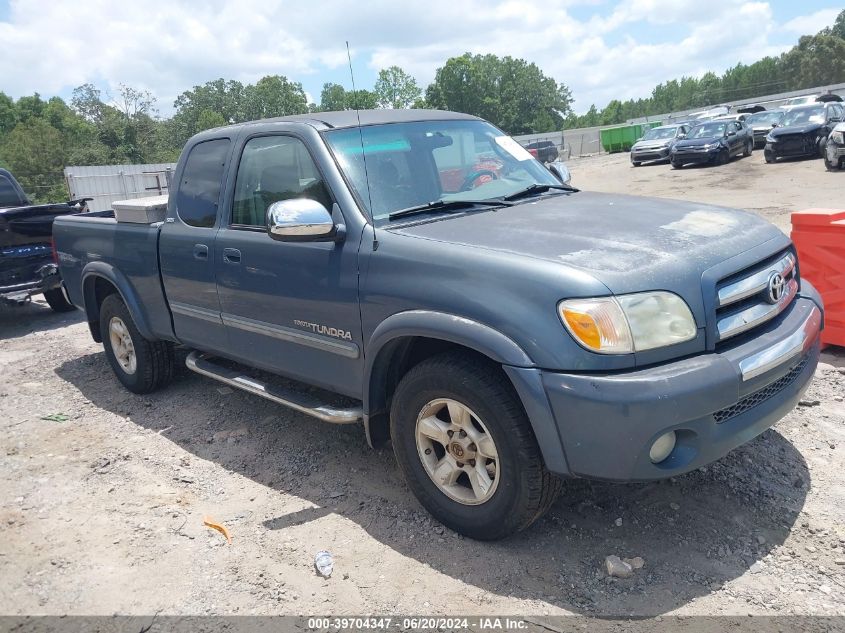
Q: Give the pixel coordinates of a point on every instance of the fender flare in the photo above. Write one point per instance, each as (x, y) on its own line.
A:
(443, 326)
(106, 271)
(429, 324)
(517, 364)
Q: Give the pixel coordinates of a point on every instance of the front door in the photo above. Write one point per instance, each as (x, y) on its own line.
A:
(291, 308)
(186, 248)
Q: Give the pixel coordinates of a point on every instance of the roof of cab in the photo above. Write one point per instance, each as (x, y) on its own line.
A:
(350, 118)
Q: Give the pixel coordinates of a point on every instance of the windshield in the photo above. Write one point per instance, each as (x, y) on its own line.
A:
(412, 164)
(765, 118)
(708, 130)
(659, 132)
(803, 116)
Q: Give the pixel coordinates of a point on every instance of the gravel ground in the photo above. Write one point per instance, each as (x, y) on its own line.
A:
(103, 493)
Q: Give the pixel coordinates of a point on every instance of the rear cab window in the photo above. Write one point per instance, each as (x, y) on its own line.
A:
(9, 196)
(198, 195)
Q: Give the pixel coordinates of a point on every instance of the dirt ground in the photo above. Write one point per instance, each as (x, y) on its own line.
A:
(772, 190)
(103, 493)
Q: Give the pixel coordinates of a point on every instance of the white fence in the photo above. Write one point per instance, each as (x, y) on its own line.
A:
(107, 183)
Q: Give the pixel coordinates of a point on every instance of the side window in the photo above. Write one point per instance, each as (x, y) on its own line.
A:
(199, 188)
(274, 168)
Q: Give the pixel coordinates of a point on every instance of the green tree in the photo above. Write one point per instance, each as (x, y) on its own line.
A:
(221, 96)
(87, 102)
(8, 114)
(396, 89)
(272, 96)
(508, 92)
(35, 154)
(208, 119)
(362, 99)
(333, 97)
(30, 107)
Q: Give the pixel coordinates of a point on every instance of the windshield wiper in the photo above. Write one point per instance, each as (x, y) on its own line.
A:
(445, 206)
(537, 188)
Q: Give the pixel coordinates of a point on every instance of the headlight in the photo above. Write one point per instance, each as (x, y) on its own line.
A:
(628, 323)
(838, 138)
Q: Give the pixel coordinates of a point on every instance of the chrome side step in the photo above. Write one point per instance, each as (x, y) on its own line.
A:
(202, 364)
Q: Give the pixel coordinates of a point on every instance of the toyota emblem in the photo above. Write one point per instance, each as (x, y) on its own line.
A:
(776, 287)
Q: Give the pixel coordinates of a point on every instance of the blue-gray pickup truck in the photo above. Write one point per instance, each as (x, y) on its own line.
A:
(504, 330)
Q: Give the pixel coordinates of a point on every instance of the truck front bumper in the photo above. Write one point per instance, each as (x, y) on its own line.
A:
(715, 402)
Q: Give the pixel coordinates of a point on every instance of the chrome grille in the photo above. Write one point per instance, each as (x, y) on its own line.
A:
(747, 300)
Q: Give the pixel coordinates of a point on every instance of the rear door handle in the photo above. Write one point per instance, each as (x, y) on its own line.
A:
(200, 251)
(231, 256)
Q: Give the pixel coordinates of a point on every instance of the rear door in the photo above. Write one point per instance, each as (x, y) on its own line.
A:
(291, 308)
(186, 247)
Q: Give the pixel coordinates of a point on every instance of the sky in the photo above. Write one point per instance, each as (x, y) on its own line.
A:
(601, 49)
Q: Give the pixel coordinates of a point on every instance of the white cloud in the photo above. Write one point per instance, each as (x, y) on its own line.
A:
(168, 46)
(812, 23)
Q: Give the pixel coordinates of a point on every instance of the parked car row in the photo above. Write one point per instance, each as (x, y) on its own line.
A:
(710, 142)
(789, 132)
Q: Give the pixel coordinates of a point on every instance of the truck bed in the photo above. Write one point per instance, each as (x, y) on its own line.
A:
(125, 253)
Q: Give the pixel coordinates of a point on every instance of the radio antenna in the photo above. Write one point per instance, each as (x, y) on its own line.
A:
(361, 137)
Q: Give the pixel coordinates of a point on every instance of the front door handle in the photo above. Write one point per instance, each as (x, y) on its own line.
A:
(200, 251)
(231, 256)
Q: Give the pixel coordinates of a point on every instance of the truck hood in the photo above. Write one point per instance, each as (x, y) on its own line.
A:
(652, 144)
(698, 142)
(809, 128)
(628, 243)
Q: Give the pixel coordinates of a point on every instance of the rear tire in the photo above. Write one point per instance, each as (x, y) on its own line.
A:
(140, 365)
(57, 300)
(434, 402)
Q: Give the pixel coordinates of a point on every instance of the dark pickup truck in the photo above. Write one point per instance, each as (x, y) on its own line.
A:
(502, 329)
(28, 263)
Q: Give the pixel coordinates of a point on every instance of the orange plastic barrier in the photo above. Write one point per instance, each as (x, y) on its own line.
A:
(819, 236)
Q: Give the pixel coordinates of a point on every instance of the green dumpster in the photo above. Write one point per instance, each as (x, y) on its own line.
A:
(620, 139)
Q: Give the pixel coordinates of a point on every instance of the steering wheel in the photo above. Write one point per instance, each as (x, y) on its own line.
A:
(469, 180)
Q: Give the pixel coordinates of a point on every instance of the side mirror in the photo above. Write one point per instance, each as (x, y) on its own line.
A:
(302, 220)
(681, 136)
(560, 171)
(774, 125)
(732, 133)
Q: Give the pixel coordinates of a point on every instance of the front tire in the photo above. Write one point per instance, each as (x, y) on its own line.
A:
(57, 300)
(749, 148)
(675, 165)
(466, 447)
(770, 158)
(636, 163)
(140, 365)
